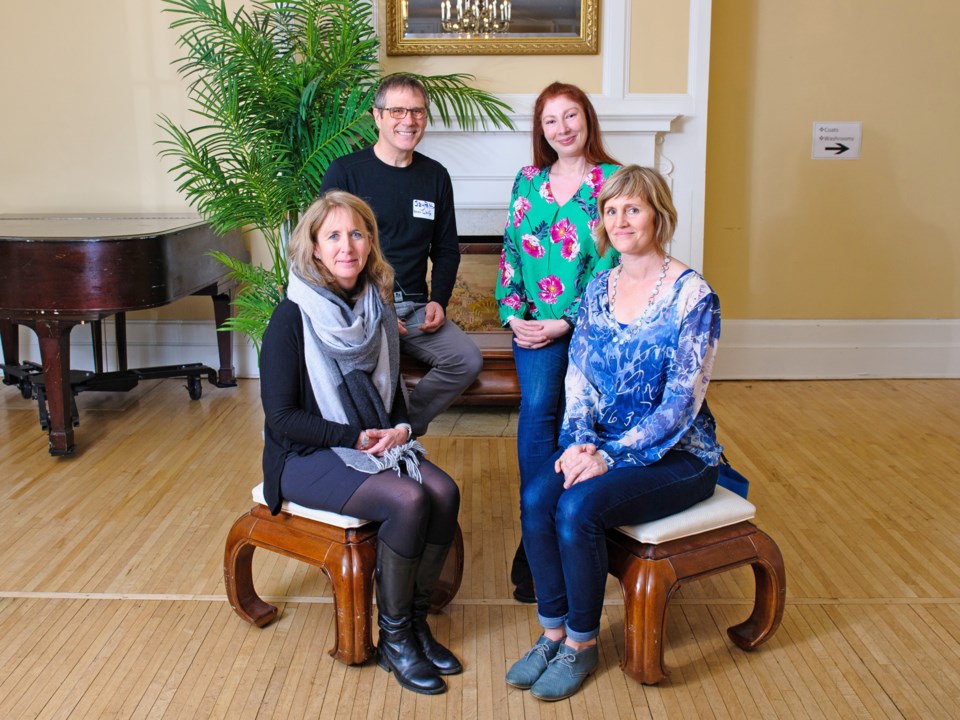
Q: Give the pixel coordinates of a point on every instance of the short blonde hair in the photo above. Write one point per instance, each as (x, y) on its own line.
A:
(302, 261)
(633, 181)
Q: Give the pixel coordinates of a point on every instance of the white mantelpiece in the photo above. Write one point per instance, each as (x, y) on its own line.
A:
(483, 164)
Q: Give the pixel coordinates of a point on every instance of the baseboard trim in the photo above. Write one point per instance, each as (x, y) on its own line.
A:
(749, 349)
(152, 343)
(838, 349)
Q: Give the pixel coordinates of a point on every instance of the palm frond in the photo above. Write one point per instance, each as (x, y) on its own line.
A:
(469, 105)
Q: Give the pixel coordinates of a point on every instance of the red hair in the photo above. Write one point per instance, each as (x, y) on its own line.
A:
(593, 151)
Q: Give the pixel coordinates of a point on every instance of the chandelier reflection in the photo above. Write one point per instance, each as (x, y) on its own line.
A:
(483, 17)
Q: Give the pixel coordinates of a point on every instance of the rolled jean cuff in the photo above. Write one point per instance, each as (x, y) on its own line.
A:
(551, 623)
(582, 636)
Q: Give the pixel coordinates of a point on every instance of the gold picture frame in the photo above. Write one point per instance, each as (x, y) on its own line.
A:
(414, 28)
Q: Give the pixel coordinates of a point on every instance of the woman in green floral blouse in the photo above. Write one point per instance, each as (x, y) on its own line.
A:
(547, 260)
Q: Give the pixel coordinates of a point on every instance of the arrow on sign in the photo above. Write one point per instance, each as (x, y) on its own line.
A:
(839, 147)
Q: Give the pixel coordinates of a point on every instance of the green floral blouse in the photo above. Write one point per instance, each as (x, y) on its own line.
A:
(548, 252)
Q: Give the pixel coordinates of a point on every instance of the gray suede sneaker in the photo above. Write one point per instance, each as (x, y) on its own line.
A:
(565, 673)
(527, 669)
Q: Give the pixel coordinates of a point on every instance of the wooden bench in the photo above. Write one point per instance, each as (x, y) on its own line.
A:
(343, 547)
(497, 383)
(652, 560)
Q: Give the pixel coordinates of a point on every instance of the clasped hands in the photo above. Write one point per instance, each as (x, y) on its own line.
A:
(535, 334)
(433, 318)
(579, 463)
(376, 441)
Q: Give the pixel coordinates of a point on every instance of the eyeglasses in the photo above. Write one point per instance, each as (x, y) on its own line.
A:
(399, 113)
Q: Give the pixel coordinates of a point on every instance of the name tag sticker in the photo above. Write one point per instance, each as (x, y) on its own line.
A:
(423, 209)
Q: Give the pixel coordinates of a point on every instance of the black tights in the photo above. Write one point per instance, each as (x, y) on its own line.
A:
(410, 513)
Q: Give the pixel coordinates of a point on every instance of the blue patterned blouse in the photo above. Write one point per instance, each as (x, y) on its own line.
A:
(635, 391)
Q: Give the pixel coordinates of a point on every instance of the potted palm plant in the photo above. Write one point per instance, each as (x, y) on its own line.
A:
(283, 88)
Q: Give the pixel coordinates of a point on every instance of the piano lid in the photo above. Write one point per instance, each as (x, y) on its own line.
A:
(86, 266)
(92, 226)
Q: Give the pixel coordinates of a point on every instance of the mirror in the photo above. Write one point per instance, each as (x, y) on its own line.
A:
(492, 27)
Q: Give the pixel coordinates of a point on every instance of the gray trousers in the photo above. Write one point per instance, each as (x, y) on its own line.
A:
(455, 361)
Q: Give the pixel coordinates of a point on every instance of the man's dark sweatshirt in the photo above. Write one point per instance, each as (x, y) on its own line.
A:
(414, 210)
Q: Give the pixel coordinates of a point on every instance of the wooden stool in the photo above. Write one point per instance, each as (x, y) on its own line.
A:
(653, 559)
(343, 547)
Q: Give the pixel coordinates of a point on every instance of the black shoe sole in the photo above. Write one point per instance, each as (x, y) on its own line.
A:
(411, 688)
(521, 596)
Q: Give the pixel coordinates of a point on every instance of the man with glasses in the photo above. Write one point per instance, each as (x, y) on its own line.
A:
(412, 197)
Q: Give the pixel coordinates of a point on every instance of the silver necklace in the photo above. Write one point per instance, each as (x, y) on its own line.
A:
(653, 295)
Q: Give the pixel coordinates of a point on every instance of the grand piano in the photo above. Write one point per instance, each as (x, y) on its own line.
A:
(57, 271)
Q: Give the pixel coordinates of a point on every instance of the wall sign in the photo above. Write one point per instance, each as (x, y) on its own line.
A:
(836, 140)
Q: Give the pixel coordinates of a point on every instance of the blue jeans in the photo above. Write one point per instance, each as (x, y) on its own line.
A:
(564, 530)
(540, 373)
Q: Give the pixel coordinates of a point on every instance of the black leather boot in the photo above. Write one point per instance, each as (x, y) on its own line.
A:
(397, 650)
(521, 576)
(431, 564)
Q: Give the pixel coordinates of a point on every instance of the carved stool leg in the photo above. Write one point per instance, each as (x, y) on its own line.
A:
(645, 621)
(350, 569)
(238, 575)
(771, 593)
(646, 586)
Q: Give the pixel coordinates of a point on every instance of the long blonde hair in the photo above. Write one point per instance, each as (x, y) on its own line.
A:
(633, 181)
(376, 270)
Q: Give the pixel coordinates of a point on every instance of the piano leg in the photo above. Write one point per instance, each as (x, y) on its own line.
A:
(54, 339)
(120, 330)
(221, 312)
(10, 340)
(96, 333)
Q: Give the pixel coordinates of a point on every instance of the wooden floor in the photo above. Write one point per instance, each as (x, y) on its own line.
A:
(112, 602)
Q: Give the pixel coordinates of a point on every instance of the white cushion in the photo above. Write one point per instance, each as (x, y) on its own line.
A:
(328, 518)
(721, 509)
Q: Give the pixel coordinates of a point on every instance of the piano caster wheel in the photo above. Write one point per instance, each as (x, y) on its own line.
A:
(26, 390)
(194, 387)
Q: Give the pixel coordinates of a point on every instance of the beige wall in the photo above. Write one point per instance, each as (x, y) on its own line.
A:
(792, 238)
(82, 83)
(659, 43)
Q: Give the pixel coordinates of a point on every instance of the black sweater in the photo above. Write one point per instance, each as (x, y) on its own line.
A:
(414, 210)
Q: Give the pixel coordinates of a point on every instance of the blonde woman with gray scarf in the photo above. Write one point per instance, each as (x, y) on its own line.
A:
(336, 433)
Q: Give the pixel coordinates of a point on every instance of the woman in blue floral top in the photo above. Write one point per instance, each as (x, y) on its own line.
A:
(637, 445)
(548, 258)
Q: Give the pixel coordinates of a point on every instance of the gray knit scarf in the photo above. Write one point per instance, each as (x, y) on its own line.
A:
(353, 361)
